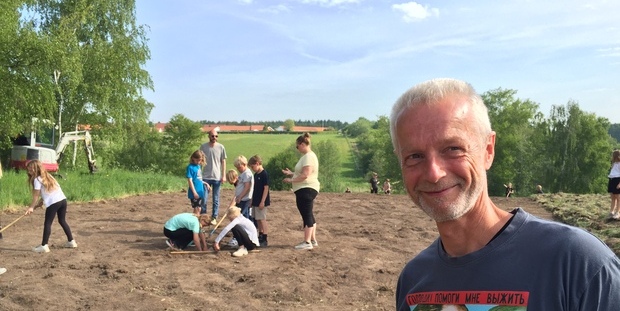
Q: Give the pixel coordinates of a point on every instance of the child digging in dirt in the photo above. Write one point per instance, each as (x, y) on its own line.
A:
(47, 192)
(185, 228)
(242, 229)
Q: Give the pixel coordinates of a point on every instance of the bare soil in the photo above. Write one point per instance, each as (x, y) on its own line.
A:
(123, 263)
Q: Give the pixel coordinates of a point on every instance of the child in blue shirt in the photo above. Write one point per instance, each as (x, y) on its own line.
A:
(196, 189)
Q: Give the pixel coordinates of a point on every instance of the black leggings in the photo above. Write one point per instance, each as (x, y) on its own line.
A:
(59, 208)
(242, 237)
(304, 198)
(180, 237)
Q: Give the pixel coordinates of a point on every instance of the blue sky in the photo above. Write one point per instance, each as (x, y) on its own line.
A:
(233, 60)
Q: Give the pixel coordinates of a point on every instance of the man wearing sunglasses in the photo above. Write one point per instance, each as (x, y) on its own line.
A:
(214, 173)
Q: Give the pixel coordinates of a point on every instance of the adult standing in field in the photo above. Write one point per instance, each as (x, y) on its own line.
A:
(613, 186)
(484, 255)
(214, 172)
(306, 186)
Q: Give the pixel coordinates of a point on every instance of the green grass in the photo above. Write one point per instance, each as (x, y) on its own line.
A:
(268, 145)
(588, 211)
(85, 187)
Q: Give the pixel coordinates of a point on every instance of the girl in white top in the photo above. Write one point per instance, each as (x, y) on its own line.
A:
(242, 229)
(613, 187)
(47, 192)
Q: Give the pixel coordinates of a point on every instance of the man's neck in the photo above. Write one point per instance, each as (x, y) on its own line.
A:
(474, 230)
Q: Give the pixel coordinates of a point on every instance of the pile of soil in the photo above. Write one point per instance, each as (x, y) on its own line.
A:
(123, 263)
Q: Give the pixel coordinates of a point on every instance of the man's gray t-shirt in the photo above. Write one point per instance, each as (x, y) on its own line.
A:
(214, 156)
(533, 264)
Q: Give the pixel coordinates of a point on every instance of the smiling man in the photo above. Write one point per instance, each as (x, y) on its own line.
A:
(484, 256)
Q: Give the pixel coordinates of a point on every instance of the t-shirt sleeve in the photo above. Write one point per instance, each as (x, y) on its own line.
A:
(196, 227)
(37, 184)
(188, 172)
(603, 290)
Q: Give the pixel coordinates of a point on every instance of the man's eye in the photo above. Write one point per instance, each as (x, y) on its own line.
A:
(455, 150)
(411, 159)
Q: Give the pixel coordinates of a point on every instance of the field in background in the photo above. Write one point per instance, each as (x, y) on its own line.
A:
(84, 187)
(268, 145)
(79, 186)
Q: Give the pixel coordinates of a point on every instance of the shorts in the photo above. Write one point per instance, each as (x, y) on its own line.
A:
(259, 214)
(196, 203)
(612, 186)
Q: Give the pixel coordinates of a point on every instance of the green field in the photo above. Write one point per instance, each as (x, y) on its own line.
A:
(78, 185)
(268, 145)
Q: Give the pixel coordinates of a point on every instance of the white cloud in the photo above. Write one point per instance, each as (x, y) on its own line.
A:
(245, 1)
(329, 2)
(414, 11)
(275, 9)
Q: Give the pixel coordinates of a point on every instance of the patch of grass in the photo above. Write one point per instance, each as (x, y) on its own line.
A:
(85, 187)
(268, 145)
(588, 211)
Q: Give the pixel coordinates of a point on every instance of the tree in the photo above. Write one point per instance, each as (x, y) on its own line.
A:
(26, 89)
(74, 61)
(614, 131)
(578, 149)
(286, 158)
(289, 125)
(511, 119)
(359, 127)
(329, 165)
(182, 135)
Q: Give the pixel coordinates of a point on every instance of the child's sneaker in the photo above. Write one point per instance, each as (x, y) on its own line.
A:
(315, 243)
(170, 244)
(2, 270)
(233, 243)
(71, 244)
(240, 252)
(41, 249)
(303, 245)
(214, 221)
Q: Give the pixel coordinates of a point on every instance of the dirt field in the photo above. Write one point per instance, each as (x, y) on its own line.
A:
(122, 261)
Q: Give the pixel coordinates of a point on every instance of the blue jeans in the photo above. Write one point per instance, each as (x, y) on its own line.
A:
(245, 208)
(215, 192)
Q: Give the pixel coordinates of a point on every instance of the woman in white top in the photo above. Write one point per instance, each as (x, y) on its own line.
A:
(613, 187)
(47, 192)
(306, 186)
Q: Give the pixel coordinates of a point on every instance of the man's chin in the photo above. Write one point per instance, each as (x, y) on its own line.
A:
(442, 211)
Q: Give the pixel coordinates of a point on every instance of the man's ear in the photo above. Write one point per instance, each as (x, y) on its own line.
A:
(490, 150)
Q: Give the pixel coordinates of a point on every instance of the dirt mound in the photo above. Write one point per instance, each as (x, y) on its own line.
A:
(122, 262)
